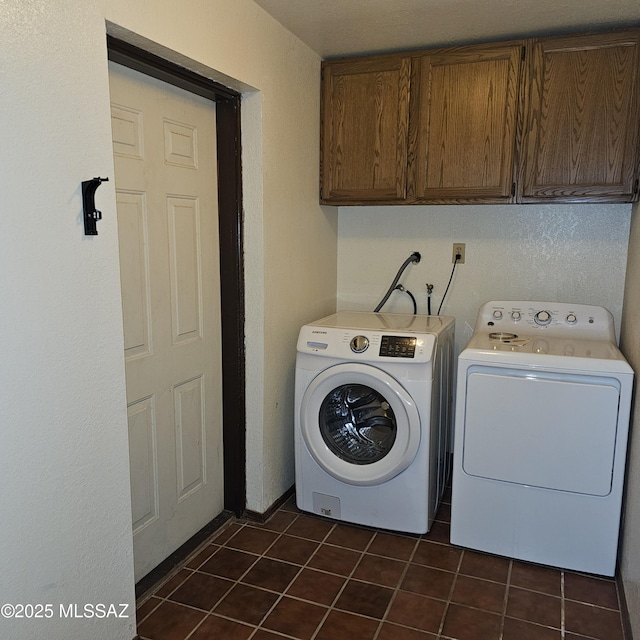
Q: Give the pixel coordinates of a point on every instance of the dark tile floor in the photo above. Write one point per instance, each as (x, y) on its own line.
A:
(302, 577)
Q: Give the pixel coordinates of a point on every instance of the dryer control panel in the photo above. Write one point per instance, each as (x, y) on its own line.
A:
(554, 319)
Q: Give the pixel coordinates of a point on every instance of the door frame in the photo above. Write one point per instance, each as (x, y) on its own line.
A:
(230, 221)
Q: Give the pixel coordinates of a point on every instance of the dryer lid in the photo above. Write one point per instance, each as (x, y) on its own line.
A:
(565, 353)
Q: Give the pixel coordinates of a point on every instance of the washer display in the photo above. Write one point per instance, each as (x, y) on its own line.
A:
(373, 418)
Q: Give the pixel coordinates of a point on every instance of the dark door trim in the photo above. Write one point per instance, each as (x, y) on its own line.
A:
(231, 251)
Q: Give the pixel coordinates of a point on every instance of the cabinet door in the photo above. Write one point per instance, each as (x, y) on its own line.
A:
(466, 117)
(581, 128)
(365, 113)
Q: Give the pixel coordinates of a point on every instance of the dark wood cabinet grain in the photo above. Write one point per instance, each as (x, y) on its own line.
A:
(538, 120)
(465, 110)
(365, 120)
(581, 131)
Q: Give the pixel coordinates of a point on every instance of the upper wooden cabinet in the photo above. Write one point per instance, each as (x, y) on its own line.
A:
(541, 120)
(582, 119)
(365, 120)
(464, 111)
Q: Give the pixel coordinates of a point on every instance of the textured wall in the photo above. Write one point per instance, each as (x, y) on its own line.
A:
(630, 345)
(573, 253)
(66, 520)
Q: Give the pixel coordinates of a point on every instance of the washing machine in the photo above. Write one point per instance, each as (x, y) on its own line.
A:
(373, 418)
(542, 419)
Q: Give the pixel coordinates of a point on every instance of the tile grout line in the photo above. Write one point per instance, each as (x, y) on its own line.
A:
(505, 600)
(563, 632)
(281, 593)
(397, 588)
(237, 581)
(224, 595)
(163, 599)
(331, 606)
(449, 599)
(232, 585)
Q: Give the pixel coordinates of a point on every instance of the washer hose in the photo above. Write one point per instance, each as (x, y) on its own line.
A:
(415, 304)
(415, 258)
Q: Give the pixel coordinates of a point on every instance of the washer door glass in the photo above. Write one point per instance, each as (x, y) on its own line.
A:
(357, 423)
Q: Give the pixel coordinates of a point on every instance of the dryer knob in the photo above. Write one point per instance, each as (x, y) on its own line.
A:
(497, 314)
(359, 344)
(543, 318)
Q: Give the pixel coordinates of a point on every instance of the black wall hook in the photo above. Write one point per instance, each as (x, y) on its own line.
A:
(91, 214)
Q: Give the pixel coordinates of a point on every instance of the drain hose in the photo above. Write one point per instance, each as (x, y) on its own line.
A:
(415, 258)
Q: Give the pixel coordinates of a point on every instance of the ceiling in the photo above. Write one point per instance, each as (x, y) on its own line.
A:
(335, 28)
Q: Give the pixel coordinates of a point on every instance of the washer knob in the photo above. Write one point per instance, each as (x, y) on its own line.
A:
(497, 314)
(359, 344)
(543, 318)
(516, 315)
(571, 318)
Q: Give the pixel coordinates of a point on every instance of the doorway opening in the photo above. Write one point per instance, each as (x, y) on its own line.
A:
(229, 195)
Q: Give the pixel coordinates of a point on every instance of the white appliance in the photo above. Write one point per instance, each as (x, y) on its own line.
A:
(373, 415)
(542, 418)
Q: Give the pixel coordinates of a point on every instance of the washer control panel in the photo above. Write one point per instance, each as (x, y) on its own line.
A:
(359, 344)
(356, 345)
(554, 318)
(398, 346)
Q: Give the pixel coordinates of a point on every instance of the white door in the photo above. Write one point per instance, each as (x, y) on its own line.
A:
(164, 142)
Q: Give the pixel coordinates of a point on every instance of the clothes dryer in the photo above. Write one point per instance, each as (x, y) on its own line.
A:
(542, 417)
(373, 413)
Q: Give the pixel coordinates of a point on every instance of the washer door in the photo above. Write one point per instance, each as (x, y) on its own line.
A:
(359, 424)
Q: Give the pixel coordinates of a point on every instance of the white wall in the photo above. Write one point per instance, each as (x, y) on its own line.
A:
(65, 532)
(573, 253)
(630, 345)
(63, 465)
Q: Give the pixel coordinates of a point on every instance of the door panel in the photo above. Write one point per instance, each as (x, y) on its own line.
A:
(466, 119)
(144, 475)
(134, 261)
(185, 264)
(365, 114)
(581, 140)
(164, 151)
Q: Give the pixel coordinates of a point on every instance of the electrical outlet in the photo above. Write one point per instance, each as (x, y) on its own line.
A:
(458, 250)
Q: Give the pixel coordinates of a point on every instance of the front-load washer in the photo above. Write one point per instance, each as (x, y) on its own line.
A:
(373, 414)
(542, 418)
